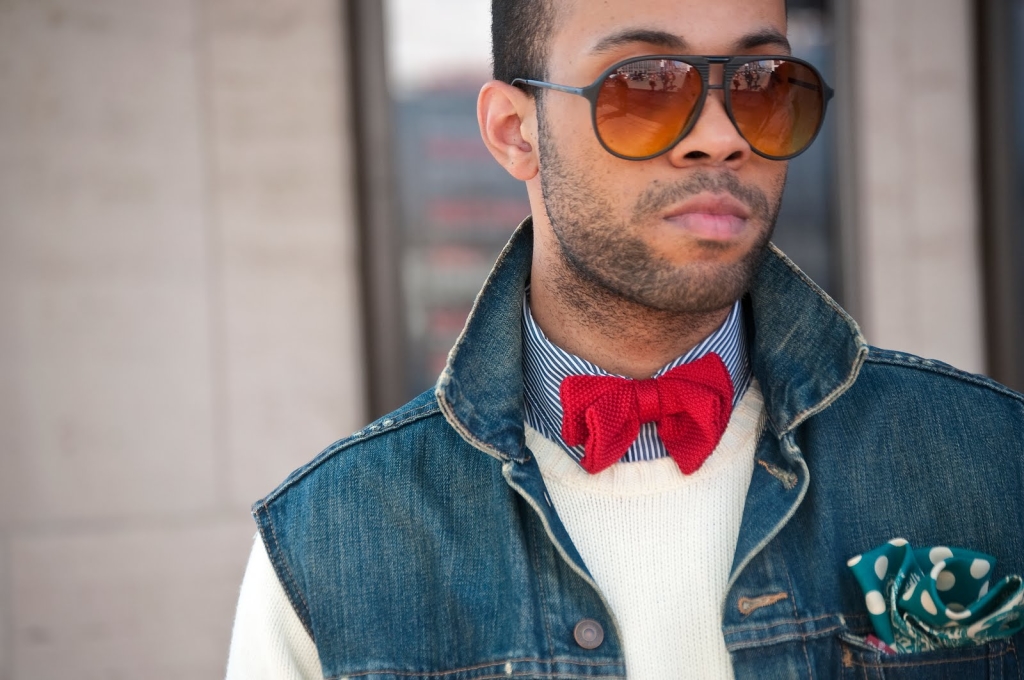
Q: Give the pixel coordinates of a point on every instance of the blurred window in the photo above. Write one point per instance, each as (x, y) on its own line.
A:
(1017, 223)
(457, 207)
(1000, 72)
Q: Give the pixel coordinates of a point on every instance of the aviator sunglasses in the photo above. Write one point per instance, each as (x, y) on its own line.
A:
(644, 106)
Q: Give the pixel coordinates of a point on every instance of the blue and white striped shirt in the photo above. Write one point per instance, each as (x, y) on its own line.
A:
(545, 366)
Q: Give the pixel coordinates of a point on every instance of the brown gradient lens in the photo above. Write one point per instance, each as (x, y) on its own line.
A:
(643, 106)
(777, 105)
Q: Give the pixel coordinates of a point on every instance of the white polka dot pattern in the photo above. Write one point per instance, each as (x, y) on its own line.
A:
(934, 598)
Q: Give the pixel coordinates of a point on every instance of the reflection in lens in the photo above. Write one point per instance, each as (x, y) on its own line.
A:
(644, 105)
(778, 105)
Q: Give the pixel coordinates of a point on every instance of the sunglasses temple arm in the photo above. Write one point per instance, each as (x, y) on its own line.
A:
(828, 91)
(549, 86)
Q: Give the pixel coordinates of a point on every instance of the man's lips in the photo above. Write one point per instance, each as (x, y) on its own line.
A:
(718, 218)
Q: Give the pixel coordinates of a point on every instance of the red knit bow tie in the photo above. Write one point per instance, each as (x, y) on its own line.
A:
(690, 404)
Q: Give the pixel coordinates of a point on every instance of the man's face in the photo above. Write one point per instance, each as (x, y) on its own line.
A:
(681, 232)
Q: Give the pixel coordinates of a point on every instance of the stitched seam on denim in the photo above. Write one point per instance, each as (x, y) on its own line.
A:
(273, 547)
(803, 642)
(540, 585)
(822, 295)
(561, 551)
(527, 674)
(470, 438)
(850, 322)
(420, 413)
(936, 662)
(417, 414)
(519, 674)
(792, 589)
(788, 479)
(831, 397)
(488, 284)
(858, 338)
(768, 626)
(482, 666)
(784, 637)
(446, 374)
(905, 360)
(777, 528)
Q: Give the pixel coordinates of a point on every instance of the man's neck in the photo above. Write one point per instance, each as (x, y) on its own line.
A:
(616, 334)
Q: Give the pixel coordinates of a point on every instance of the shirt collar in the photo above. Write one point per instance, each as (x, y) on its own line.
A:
(545, 365)
(805, 352)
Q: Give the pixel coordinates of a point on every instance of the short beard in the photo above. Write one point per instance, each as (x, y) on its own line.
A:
(602, 258)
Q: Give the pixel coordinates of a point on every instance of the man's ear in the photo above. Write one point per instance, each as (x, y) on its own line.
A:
(508, 124)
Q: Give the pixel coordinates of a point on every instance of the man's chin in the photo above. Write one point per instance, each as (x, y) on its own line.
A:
(710, 253)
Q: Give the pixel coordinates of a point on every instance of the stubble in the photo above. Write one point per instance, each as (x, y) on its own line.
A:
(604, 262)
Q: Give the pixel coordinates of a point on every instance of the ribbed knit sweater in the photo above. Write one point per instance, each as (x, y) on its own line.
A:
(659, 545)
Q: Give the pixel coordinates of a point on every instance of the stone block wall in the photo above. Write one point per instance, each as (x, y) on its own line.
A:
(179, 321)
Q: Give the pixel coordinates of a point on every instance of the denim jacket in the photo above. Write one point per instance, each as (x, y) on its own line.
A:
(424, 546)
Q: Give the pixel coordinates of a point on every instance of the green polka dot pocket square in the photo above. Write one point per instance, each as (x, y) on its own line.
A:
(934, 598)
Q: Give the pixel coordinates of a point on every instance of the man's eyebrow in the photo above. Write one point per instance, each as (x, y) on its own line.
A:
(671, 41)
(762, 38)
(628, 36)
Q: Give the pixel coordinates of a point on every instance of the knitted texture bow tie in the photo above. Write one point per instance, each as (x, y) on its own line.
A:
(690, 405)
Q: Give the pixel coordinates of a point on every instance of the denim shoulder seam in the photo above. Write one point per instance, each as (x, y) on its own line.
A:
(385, 425)
(281, 567)
(913, 362)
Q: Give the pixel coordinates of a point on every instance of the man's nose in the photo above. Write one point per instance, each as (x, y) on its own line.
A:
(714, 139)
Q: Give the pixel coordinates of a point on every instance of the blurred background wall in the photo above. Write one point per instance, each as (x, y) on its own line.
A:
(178, 314)
(233, 231)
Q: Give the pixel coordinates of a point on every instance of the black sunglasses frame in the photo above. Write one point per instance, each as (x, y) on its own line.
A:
(703, 64)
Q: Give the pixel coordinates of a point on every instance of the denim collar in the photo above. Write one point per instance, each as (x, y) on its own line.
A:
(805, 351)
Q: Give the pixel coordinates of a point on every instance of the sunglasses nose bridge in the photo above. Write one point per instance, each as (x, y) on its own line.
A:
(715, 75)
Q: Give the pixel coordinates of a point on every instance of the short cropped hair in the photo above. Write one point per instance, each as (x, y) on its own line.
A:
(520, 31)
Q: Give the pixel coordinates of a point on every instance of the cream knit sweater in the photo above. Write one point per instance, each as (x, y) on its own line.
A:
(659, 545)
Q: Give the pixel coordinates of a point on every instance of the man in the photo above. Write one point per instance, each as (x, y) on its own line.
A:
(534, 517)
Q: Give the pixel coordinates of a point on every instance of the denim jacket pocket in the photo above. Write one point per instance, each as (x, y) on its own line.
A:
(996, 659)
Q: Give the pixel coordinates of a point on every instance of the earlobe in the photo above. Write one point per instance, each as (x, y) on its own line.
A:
(506, 116)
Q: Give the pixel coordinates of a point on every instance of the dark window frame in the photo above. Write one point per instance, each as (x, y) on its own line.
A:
(999, 178)
(374, 179)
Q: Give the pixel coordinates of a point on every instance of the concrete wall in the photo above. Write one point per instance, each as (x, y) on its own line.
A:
(178, 314)
(916, 196)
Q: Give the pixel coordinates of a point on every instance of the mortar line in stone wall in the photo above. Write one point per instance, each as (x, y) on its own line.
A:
(185, 521)
(216, 307)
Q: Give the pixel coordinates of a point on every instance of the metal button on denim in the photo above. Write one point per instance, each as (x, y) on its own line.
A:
(589, 634)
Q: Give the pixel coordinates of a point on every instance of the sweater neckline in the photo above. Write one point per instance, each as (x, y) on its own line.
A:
(657, 476)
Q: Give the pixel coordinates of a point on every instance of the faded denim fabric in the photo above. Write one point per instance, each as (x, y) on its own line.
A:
(424, 546)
